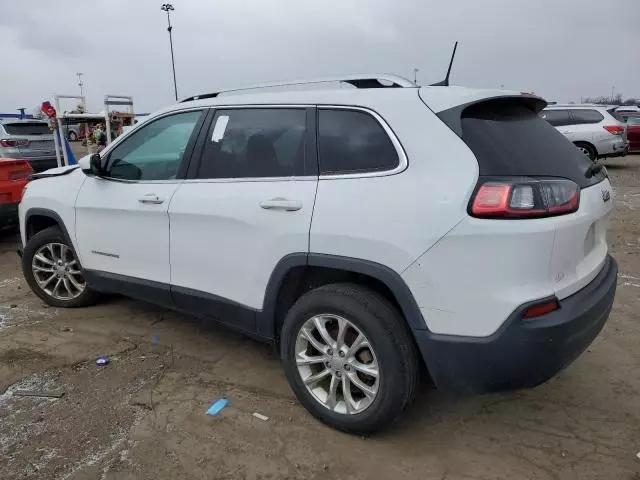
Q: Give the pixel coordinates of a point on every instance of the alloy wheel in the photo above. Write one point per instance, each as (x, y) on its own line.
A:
(57, 271)
(337, 364)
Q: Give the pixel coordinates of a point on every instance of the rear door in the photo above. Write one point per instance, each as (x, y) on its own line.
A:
(247, 203)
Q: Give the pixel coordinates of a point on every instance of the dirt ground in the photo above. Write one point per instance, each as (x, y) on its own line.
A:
(143, 415)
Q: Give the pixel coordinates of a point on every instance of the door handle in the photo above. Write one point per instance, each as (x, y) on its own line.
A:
(281, 204)
(151, 199)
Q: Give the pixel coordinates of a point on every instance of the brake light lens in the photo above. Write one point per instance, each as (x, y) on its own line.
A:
(541, 308)
(614, 129)
(525, 198)
(20, 174)
(14, 142)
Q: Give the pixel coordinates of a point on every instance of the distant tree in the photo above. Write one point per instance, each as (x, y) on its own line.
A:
(616, 100)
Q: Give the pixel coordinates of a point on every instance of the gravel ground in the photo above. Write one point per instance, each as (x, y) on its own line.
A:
(142, 416)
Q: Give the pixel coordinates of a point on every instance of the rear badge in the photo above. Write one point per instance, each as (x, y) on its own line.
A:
(606, 195)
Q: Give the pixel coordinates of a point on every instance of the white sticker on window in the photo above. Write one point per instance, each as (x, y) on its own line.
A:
(219, 129)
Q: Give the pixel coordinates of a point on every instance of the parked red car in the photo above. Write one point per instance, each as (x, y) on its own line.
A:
(633, 133)
(14, 175)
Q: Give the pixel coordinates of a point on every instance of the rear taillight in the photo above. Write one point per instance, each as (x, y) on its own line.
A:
(525, 198)
(614, 129)
(20, 174)
(14, 142)
(542, 308)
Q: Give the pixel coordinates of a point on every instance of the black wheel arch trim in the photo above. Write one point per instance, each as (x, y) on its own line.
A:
(45, 212)
(391, 279)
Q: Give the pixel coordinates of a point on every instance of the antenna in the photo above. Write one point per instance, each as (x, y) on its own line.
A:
(445, 82)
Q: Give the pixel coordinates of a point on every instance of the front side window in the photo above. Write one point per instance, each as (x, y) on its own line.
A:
(155, 151)
(584, 116)
(255, 143)
(352, 141)
(557, 118)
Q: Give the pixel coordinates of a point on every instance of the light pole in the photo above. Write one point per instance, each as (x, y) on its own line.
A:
(415, 75)
(80, 84)
(167, 7)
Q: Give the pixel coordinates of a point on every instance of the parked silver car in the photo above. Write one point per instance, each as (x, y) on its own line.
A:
(29, 140)
(596, 130)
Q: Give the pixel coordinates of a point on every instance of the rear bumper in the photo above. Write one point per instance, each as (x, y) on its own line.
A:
(619, 150)
(522, 353)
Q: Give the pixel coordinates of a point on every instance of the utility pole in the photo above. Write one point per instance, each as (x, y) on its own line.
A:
(81, 85)
(167, 7)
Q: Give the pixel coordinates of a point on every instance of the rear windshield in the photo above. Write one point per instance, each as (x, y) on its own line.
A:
(27, 128)
(509, 139)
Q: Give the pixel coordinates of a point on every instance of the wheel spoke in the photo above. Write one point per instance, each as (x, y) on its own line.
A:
(42, 259)
(342, 330)
(63, 252)
(346, 392)
(360, 342)
(67, 286)
(38, 268)
(319, 322)
(369, 391)
(55, 289)
(370, 369)
(332, 399)
(315, 343)
(44, 283)
(311, 380)
(75, 283)
(304, 359)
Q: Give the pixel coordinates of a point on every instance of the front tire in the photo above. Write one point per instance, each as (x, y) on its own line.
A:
(349, 357)
(53, 271)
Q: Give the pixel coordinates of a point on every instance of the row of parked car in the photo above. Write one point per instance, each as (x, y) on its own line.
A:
(599, 131)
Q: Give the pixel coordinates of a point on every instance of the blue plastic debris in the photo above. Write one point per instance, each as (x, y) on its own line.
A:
(217, 406)
(102, 361)
(155, 338)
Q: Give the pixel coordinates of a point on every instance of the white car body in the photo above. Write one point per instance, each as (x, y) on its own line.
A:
(207, 242)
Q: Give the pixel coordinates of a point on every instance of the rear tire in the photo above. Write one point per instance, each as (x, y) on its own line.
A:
(360, 403)
(53, 271)
(587, 150)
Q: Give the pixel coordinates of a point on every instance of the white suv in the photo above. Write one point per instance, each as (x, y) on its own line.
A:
(366, 232)
(597, 130)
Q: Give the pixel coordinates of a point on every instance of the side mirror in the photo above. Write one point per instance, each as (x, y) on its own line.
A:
(92, 164)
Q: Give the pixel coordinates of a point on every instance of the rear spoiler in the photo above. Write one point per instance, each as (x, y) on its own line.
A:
(453, 116)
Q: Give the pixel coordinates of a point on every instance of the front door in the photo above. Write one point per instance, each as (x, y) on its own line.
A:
(246, 206)
(122, 223)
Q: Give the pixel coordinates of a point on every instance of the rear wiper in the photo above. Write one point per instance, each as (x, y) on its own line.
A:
(595, 167)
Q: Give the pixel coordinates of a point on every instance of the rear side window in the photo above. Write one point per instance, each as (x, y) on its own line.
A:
(27, 128)
(255, 143)
(557, 118)
(615, 114)
(352, 141)
(583, 116)
(509, 139)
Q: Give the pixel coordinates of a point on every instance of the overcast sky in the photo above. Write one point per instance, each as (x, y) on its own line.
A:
(560, 49)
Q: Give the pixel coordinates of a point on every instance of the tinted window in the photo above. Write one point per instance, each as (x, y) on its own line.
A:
(583, 116)
(27, 128)
(615, 114)
(155, 151)
(352, 141)
(633, 120)
(509, 139)
(556, 118)
(255, 142)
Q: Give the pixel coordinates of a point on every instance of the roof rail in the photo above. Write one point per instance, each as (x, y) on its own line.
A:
(358, 81)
